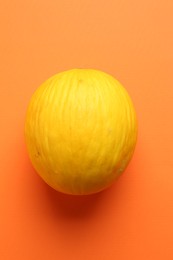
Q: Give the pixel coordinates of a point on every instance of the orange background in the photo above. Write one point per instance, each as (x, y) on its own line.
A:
(133, 41)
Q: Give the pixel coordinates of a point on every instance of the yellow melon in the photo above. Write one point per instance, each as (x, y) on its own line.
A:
(80, 131)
